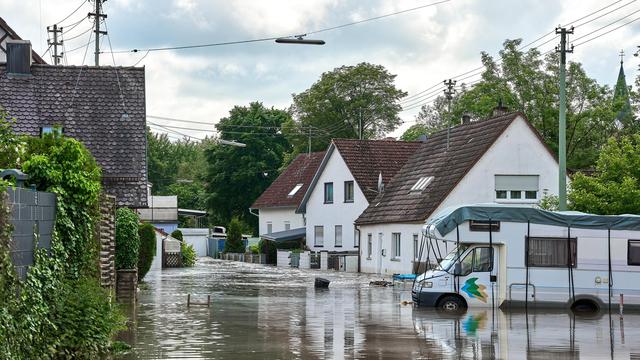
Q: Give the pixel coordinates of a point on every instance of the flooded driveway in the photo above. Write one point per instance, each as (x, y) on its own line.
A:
(260, 312)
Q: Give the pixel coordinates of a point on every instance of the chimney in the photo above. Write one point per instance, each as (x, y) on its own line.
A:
(499, 110)
(466, 119)
(19, 57)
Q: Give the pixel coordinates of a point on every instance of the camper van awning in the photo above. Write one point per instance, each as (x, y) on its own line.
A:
(447, 220)
(286, 235)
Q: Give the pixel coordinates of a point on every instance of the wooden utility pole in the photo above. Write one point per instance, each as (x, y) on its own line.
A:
(55, 43)
(448, 93)
(562, 124)
(97, 16)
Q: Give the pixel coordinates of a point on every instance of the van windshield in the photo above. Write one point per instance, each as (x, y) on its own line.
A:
(451, 258)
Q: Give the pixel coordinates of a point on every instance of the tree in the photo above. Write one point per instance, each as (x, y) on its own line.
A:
(344, 102)
(236, 176)
(127, 239)
(234, 243)
(615, 187)
(10, 144)
(147, 249)
(177, 234)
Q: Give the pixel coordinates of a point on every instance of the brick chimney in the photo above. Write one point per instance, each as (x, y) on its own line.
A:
(19, 57)
(499, 110)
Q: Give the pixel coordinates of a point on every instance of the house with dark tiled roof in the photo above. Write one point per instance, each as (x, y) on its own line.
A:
(7, 34)
(277, 205)
(103, 107)
(497, 160)
(351, 175)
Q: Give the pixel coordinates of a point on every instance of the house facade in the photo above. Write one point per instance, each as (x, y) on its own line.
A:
(276, 206)
(348, 179)
(498, 160)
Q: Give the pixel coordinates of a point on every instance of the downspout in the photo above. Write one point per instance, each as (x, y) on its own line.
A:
(252, 213)
(359, 247)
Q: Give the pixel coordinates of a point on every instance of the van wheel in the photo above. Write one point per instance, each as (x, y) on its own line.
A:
(451, 303)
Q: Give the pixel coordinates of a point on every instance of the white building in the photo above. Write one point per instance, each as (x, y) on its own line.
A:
(277, 205)
(502, 159)
(347, 180)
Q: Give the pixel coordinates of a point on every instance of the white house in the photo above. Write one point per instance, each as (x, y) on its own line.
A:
(277, 205)
(502, 159)
(346, 182)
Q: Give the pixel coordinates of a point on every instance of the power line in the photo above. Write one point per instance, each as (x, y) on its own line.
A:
(277, 37)
(73, 12)
(605, 26)
(610, 31)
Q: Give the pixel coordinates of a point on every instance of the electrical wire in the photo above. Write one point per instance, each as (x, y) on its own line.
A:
(196, 46)
(78, 35)
(605, 33)
(73, 12)
(605, 26)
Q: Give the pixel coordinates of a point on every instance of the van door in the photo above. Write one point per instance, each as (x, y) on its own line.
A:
(476, 269)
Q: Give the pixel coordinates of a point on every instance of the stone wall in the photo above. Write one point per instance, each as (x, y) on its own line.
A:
(107, 239)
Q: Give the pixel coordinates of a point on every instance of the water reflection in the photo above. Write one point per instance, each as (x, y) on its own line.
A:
(268, 313)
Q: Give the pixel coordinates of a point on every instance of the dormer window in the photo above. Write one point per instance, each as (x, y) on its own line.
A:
(422, 184)
(294, 190)
(50, 130)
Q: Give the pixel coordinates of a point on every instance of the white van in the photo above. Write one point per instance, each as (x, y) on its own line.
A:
(500, 255)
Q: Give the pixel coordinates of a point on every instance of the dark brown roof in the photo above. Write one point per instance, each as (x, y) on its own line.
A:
(86, 101)
(467, 144)
(14, 36)
(366, 159)
(300, 171)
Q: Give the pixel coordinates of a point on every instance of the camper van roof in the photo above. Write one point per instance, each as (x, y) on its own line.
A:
(447, 219)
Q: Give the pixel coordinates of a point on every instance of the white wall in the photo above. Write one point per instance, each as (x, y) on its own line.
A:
(156, 264)
(196, 237)
(517, 152)
(278, 216)
(338, 213)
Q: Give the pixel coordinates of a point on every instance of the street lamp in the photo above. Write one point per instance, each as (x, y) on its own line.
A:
(232, 143)
(300, 40)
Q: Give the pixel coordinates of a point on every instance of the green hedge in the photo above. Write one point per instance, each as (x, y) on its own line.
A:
(127, 239)
(147, 249)
(177, 234)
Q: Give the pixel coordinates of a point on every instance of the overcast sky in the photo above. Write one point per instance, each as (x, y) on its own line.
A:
(421, 47)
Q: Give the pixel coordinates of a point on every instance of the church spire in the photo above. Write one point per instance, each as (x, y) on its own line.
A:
(621, 99)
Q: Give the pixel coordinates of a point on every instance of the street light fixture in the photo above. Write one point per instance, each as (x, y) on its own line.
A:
(300, 40)
(232, 143)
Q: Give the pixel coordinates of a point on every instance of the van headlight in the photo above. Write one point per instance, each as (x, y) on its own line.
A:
(426, 284)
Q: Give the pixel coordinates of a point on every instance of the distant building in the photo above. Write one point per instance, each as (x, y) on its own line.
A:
(162, 212)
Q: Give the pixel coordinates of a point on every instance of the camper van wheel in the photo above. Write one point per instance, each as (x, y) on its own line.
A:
(451, 303)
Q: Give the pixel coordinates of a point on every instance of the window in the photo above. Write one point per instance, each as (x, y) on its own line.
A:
(318, 239)
(483, 225)
(269, 227)
(395, 244)
(633, 252)
(356, 237)
(348, 191)
(287, 225)
(328, 193)
(51, 130)
(422, 184)
(479, 259)
(512, 187)
(550, 252)
(415, 246)
(369, 245)
(295, 190)
(338, 235)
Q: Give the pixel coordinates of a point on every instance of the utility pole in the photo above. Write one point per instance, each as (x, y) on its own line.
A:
(448, 93)
(562, 126)
(360, 125)
(97, 17)
(55, 43)
(309, 140)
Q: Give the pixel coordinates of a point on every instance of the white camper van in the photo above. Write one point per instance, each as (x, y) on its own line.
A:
(500, 255)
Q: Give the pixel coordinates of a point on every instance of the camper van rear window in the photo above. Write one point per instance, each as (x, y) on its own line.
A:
(550, 252)
(483, 225)
(633, 252)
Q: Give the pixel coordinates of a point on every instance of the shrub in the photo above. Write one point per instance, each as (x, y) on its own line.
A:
(147, 249)
(177, 234)
(188, 254)
(254, 249)
(269, 248)
(127, 239)
(234, 242)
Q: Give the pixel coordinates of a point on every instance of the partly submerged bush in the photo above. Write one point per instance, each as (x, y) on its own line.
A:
(189, 255)
(127, 239)
(147, 249)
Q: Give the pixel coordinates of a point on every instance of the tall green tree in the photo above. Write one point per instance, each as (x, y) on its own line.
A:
(234, 242)
(344, 102)
(615, 186)
(236, 176)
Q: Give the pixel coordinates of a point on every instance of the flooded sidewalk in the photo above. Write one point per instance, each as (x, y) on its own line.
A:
(260, 312)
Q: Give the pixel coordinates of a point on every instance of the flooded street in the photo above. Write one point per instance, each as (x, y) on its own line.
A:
(260, 312)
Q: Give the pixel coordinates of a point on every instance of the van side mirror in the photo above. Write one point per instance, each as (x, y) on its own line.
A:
(457, 269)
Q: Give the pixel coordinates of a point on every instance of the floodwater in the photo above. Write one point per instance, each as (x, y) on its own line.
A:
(260, 312)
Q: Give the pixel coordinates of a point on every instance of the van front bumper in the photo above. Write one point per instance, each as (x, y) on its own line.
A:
(423, 298)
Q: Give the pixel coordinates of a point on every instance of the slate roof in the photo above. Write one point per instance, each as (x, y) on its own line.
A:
(300, 171)
(468, 142)
(10, 33)
(366, 159)
(86, 101)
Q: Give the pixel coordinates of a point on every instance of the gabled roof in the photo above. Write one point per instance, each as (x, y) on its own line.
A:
(12, 35)
(468, 143)
(366, 159)
(300, 171)
(103, 107)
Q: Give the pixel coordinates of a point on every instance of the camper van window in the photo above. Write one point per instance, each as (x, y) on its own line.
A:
(550, 252)
(451, 258)
(483, 225)
(467, 264)
(633, 252)
(482, 259)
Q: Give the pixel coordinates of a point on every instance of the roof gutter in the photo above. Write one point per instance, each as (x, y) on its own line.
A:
(252, 213)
